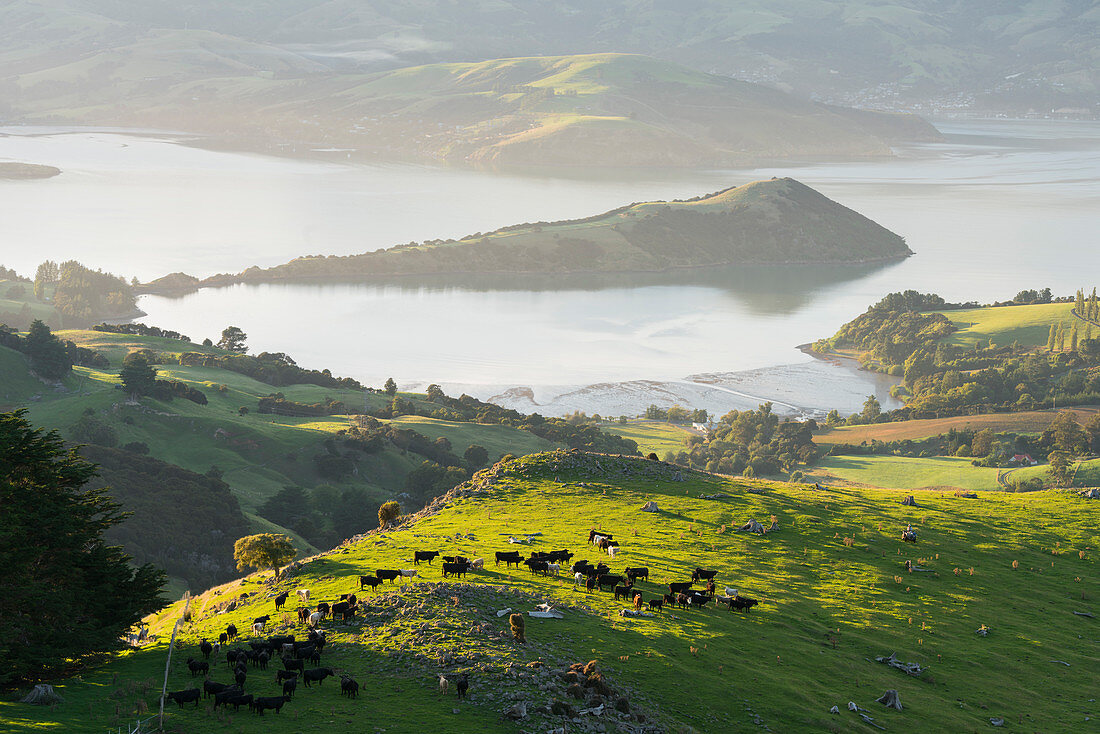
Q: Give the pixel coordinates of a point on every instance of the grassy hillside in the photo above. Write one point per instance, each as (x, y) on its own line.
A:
(1029, 325)
(779, 221)
(903, 472)
(833, 590)
(577, 110)
(652, 436)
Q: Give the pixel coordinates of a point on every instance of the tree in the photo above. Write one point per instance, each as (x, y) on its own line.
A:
(266, 550)
(435, 393)
(1059, 469)
(390, 386)
(1092, 428)
(1051, 337)
(68, 594)
(137, 375)
(1069, 437)
(871, 409)
(47, 273)
(233, 340)
(388, 512)
(832, 418)
(982, 445)
(48, 355)
(476, 457)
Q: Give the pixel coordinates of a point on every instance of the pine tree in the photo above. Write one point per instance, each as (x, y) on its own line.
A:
(1073, 339)
(1079, 306)
(1051, 337)
(1060, 338)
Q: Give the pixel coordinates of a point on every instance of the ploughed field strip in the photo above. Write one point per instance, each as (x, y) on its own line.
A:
(735, 604)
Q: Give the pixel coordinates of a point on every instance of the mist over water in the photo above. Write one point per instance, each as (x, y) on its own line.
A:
(999, 207)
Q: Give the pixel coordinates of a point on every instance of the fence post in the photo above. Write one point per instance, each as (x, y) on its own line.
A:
(168, 662)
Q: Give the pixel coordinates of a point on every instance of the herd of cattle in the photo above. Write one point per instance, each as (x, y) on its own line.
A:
(294, 654)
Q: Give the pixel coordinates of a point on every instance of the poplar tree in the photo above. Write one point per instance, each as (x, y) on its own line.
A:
(1051, 337)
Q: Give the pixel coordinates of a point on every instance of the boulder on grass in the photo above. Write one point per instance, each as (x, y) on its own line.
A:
(650, 506)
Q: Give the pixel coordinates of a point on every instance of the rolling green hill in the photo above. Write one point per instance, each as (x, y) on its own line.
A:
(780, 221)
(834, 594)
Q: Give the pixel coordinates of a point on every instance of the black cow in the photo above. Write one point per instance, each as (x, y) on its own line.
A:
(206, 649)
(656, 604)
(371, 581)
(231, 631)
(303, 615)
(590, 583)
(268, 702)
(678, 587)
(316, 674)
(428, 556)
(197, 666)
(608, 580)
(640, 572)
(280, 600)
(387, 574)
(462, 685)
(323, 608)
(741, 603)
(348, 687)
(182, 697)
(581, 567)
(239, 676)
(593, 533)
(290, 686)
(289, 664)
(561, 556)
(211, 688)
(602, 568)
(239, 700)
(262, 658)
(537, 566)
(340, 608)
(223, 696)
(455, 569)
(304, 651)
(282, 675)
(223, 638)
(509, 557)
(699, 600)
(623, 592)
(349, 598)
(262, 621)
(456, 559)
(702, 574)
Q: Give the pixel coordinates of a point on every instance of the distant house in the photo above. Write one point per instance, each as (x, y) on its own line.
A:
(701, 427)
(1022, 460)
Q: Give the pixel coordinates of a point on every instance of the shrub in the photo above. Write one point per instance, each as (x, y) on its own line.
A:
(515, 621)
(388, 513)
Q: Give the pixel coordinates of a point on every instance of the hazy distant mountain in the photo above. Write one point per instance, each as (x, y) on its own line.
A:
(992, 54)
(775, 222)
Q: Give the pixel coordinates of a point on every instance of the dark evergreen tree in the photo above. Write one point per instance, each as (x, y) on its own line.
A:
(48, 355)
(138, 376)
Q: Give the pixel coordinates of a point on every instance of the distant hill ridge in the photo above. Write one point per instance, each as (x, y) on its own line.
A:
(780, 221)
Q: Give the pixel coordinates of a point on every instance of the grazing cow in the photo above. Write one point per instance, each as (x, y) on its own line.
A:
(239, 700)
(290, 686)
(280, 600)
(509, 557)
(656, 604)
(462, 685)
(206, 648)
(454, 569)
(371, 581)
(197, 666)
(608, 580)
(410, 572)
(323, 608)
(317, 675)
(622, 592)
(590, 583)
(387, 574)
(349, 598)
(633, 574)
(303, 596)
(239, 677)
(315, 619)
(477, 564)
(637, 602)
(262, 658)
(223, 696)
(303, 614)
(182, 697)
(553, 568)
(702, 574)
(268, 702)
(428, 556)
(340, 608)
(231, 631)
(288, 674)
(612, 550)
(257, 628)
(682, 601)
(578, 578)
(677, 587)
(741, 603)
(537, 566)
(456, 559)
(223, 638)
(348, 687)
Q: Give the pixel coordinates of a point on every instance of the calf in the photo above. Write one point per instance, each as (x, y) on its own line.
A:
(387, 574)
(317, 675)
(477, 563)
(410, 572)
(283, 675)
(206, 649)
(637, 602)
(303, 614)
(454, 569)
(182, 697)
(553, 568)
(371, 581)
(702, 574)
(590, 583)
(682, 601)
(303, 596)
(428, 556)
(240, 677)
(622, 592)
(268, 702)
(323, 608)
(197, 666)
(315, 619)
(223, 638)
(656, 604)
(280, 600)
(578, 578)
(462, 685)
(348, 687)
(257, 628)
(640, 572)
(290, 686)
(612, 550)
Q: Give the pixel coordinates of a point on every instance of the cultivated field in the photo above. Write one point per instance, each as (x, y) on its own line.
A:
(1033, 421)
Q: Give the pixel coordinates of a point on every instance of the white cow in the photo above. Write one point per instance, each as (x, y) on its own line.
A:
(612, 550)
(315, 619)
(477, 563)
(303, 596)
(553, 568)
(408, 572)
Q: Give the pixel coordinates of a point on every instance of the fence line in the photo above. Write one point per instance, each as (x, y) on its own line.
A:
(168, 662)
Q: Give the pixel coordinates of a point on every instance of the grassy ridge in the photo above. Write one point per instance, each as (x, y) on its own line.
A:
(826, 608)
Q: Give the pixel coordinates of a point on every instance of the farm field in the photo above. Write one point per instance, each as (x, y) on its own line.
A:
(652, 436)
(1029, 325)
(1032, 421)
(903, 472)
(831, 583)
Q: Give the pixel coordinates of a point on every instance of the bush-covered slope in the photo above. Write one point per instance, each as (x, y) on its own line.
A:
(833, 588)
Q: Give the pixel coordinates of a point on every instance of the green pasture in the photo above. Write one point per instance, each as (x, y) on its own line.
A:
(1029, 325)
(833, 592)
(904, 472)
(652, 436)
